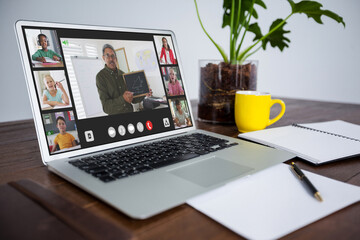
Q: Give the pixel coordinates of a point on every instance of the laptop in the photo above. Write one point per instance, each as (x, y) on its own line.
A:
(113, 116)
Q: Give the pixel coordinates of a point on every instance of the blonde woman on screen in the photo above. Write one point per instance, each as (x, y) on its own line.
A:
(54, 94)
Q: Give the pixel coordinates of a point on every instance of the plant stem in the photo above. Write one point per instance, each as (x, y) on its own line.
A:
(221, 50)
(232, 16)
(252, 53)
(237, 31)
(247, 24)
(241, 57)
(242, 24)
(238, 19)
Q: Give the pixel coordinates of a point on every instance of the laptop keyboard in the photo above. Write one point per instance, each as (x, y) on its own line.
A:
(134, 160)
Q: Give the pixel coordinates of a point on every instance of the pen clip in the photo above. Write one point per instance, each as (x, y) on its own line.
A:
(297, 171)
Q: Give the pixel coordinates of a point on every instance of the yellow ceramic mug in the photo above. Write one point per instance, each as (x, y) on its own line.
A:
(252, 110)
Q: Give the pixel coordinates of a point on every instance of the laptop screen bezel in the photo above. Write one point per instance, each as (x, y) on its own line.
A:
(46, 157)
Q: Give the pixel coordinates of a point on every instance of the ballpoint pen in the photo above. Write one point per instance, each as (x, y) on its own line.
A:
(307, 182)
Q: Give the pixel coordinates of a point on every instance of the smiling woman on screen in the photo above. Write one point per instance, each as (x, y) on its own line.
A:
(52, 95)
(167, 55)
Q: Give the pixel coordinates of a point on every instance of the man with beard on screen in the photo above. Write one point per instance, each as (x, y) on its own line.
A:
(111, 87)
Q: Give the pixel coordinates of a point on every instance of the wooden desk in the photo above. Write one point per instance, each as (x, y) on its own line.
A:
(20, 158)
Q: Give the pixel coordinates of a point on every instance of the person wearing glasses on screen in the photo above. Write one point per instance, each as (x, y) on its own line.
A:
(44, 52)
(111, 87)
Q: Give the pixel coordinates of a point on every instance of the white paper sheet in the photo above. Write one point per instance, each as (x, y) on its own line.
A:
(274, 202)
(48, 60)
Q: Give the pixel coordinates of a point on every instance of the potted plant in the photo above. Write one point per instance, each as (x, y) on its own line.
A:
(219, 80)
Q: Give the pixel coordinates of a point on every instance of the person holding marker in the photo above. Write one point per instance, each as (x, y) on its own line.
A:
(54, 94)
(111, 87)
(44, 52)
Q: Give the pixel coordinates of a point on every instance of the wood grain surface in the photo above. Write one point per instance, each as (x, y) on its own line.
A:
(20, 159)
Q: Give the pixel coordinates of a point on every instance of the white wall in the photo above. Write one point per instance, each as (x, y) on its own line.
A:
(322, 62)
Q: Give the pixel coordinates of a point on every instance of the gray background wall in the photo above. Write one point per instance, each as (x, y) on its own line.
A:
(322, 62)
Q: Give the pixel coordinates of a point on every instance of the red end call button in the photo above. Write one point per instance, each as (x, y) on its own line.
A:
(149, 125)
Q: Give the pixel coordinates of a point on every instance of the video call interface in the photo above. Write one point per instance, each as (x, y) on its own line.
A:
(99, 87)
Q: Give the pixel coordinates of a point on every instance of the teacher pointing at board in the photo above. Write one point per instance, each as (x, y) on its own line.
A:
(111, 86)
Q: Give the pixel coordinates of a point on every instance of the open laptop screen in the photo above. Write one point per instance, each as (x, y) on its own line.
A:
(97, 87)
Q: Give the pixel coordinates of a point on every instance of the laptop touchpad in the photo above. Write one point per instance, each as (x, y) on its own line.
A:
(210, 171)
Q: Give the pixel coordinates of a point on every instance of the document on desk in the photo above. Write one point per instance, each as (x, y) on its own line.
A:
(273, 203)
(50, 60)
(47, 59)
(315, 142)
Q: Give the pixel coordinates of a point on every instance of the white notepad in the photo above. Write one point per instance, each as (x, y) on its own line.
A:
(273, 203)
(314, 142)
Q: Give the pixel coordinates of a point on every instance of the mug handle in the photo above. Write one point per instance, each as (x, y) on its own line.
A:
(282, 104)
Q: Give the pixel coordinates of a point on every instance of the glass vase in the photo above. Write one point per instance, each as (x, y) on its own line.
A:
(219, 82)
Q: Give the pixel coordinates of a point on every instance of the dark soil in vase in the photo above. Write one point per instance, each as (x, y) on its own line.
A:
(218, 85)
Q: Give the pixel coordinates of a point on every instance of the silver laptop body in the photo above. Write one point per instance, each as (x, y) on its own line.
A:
(72, 55)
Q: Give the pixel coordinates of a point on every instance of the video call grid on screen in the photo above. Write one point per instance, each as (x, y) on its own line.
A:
(141, 52)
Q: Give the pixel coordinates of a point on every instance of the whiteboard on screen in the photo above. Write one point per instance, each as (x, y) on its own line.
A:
(86, 69)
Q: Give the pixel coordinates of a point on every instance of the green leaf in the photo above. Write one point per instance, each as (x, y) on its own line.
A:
(312, 10)
(254, 28)
(245, 9)
(277, 38)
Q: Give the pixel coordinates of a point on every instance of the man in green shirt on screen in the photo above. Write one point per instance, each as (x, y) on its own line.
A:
(41, 54)
(114, 96)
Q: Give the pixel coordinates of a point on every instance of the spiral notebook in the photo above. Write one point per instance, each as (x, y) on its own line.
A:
(315, 142)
